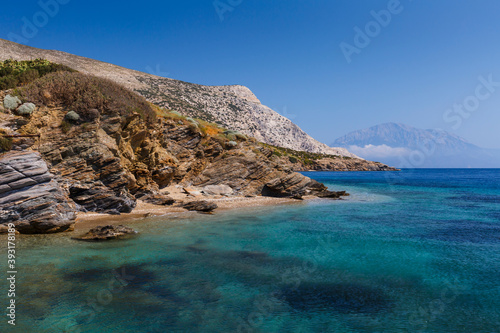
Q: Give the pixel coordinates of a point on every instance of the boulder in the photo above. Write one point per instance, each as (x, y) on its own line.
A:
(26, 109)
(107, 232)
(30, 197)
(96, 197)
(231, 144)
(218, 190)
(72, 116)
(163, 176)
(200, 206)
(11, 102)
(333, 194)
(233, 135)
(158, 199)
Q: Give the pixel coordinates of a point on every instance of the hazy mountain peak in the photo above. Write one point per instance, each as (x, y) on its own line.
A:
(406, 146)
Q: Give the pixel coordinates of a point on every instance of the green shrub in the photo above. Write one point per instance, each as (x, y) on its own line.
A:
(65, 126)
(5, 143)
(292, 159)
(11, 102)
(82, 93)
(14, 73)
(26, 109)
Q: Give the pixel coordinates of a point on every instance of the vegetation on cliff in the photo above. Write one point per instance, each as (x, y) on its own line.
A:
(303, 157)
(15, 73)
(85, 93)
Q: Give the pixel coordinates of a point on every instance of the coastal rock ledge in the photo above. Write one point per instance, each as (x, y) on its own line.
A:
(30, 197)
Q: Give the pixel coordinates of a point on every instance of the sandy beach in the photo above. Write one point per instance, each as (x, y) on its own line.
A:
(144, 210)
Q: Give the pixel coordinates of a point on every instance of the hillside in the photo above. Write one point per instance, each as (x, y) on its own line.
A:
(407, 146)
(234, 107)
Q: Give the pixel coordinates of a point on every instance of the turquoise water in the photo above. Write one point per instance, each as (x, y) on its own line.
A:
(414, 251)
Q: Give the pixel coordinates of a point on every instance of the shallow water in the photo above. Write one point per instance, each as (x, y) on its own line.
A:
(414, 251)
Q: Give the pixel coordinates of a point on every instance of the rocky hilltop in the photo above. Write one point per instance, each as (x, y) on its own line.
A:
(233, 107)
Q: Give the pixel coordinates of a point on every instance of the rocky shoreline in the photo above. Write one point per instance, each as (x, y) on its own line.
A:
(76, 152)
(107, 164)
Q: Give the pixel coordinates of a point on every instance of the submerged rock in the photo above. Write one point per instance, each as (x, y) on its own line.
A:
(30, 197)
(106, 233)
(333, 194)
(343, 298)
(200, 206)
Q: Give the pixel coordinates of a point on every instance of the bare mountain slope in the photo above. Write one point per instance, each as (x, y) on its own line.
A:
(234, 107)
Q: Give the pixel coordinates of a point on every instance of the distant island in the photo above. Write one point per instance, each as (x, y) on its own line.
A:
(405, 146)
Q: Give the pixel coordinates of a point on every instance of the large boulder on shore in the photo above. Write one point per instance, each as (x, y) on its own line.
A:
(200, 206)
(30, 197)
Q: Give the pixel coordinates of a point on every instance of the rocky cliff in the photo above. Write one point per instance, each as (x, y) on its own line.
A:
(234, 107)
(31, 197)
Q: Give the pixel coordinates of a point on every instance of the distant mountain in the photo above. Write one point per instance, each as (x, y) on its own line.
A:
(233, 106)
(409, 147)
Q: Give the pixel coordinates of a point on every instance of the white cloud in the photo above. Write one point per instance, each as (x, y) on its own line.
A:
(372, 152)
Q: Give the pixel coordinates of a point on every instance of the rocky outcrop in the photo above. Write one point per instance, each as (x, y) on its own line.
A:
(108, 232)
(158, 199)
(343, 164)
(221, 189)
(30, 197)
(90, 166)
(200, 206)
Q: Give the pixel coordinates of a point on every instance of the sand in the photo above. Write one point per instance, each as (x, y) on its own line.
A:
(143, 209)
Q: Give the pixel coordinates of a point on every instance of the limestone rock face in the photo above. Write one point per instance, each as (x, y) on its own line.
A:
(221, 189)
(91, 168)
(30, 197)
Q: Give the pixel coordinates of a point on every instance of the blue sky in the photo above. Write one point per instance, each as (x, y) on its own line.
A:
(428, 58)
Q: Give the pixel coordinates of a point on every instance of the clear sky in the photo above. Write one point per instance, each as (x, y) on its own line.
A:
(410, 67)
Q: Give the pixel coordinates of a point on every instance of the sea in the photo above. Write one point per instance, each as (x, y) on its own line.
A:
(410, 251)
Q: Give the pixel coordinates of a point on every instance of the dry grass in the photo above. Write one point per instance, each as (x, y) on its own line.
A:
(83, 93)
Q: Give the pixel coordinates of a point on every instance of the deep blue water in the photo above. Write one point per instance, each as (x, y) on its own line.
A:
(409, 251)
